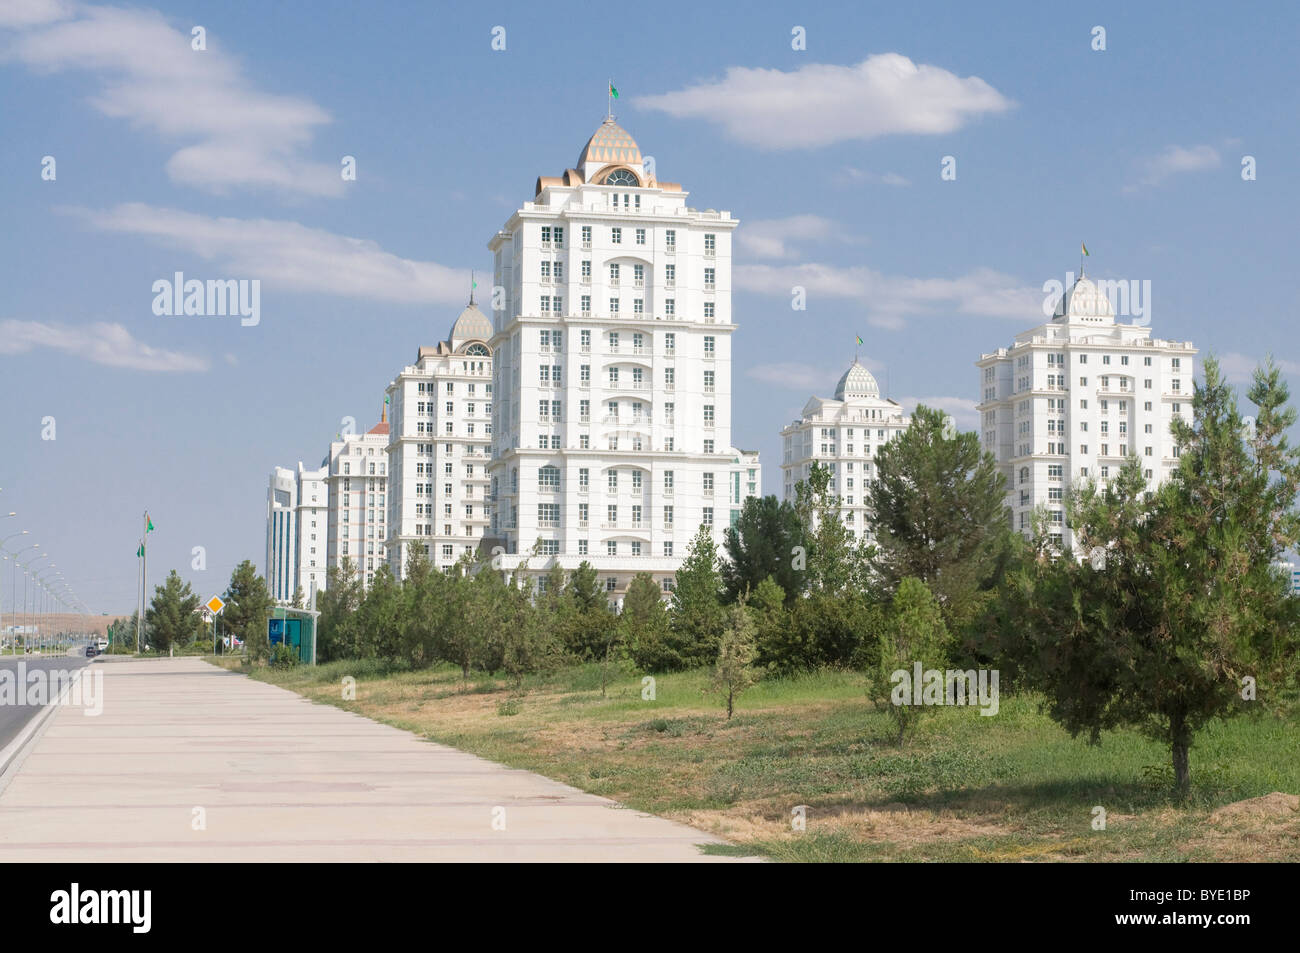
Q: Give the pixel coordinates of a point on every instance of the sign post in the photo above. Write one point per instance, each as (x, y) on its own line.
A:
(214, 606)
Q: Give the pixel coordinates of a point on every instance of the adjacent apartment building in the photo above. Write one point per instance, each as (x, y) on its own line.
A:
(439, 440)
(296, 516)
(357, 474)
(1075, 398)
(842, 433)
(611, 357)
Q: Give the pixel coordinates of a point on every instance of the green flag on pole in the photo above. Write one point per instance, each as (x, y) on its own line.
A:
(148, 524)
(140, 552)
(613, 90)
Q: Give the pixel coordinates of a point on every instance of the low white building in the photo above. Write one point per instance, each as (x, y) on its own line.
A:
(1075, 398)
(843, 433)
(439, 441)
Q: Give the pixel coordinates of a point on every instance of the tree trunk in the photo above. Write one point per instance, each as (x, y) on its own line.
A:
(730, 696)
(1181, 743)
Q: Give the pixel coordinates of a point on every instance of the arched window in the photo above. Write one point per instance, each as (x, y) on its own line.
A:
(1024, 474)
(478, 350)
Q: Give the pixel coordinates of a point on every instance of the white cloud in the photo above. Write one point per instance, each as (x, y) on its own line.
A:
(292, 255)
(1239, 368)
(772, 238)
(887, 300)
(963, 411)
(875, 178)
(102, 342)
(236, 135)
(820, 104)
(22, 14)
(810, 378)
(1175, 160)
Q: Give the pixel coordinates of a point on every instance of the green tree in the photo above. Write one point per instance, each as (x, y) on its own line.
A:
(763, 545)
(830, 556)
(461, 640)
(645, 628)
(379, 617)
(248, 606)
(913, 633)
(1172, 601)
(172, 615)
(939, 511)
(337, 604)
(697, 616)
(733, 670)
(590, 622)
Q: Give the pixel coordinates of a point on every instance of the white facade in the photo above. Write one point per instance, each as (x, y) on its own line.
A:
(843, 434)
(357, 473)
(438, 446)
(1074, 398)
(612, 371)
(296, 509)
(281, 533)
(312, 517)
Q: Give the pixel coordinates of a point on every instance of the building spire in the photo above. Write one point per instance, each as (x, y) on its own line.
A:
(472, 285)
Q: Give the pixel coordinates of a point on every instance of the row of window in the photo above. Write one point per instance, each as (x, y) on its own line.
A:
(553, 235)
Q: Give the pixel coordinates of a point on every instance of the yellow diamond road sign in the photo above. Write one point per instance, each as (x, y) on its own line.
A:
(215, 605)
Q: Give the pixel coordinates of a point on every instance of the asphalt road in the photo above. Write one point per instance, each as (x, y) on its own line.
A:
(13, 717)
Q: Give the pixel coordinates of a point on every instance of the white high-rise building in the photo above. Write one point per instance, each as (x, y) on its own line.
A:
(612, 371)
(312, 517)
(1076, 397)
(357, 468)
(296, 512)
(281, 533)
(843, 433)
(439, 444)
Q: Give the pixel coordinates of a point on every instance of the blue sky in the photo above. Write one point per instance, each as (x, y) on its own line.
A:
(224, 163)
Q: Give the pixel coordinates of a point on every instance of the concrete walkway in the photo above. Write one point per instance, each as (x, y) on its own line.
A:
(278, 778)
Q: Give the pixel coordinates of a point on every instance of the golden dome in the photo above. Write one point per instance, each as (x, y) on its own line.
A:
(611, 144)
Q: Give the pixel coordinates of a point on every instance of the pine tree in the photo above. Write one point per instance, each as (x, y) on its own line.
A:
(733, 670)
(913, 633)
(248, 607)
(172, 615)
(697, 613)
(763, 544)
(1172, 601)
(938, 507)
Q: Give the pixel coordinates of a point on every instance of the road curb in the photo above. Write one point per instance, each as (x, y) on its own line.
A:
(15, 753)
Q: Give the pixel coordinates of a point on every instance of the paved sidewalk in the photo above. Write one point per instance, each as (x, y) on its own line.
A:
(279, 778)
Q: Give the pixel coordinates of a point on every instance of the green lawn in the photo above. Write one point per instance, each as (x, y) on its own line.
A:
(965, 787)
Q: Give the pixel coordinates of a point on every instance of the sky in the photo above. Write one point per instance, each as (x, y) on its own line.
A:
(219, 153)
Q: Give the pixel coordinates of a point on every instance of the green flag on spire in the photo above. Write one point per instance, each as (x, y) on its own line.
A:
(148, 524)
(140, 552)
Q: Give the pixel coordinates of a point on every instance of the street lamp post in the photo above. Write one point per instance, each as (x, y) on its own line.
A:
(4, 540)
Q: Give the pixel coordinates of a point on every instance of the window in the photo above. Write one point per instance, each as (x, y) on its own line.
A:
(670, 342)
(548, 478)
(707, 519)
(710, 245)
(708, 415)
(668, 516)
(640, 236)
(670, 240)
(708, 345)
(611, 549)
(584, 478)
(708, 384)
(616, 235)
(586, 236)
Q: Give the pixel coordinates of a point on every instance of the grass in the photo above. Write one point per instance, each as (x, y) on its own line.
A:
(964, 787)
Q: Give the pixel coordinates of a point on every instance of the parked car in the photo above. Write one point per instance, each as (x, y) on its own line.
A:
(92, 650)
